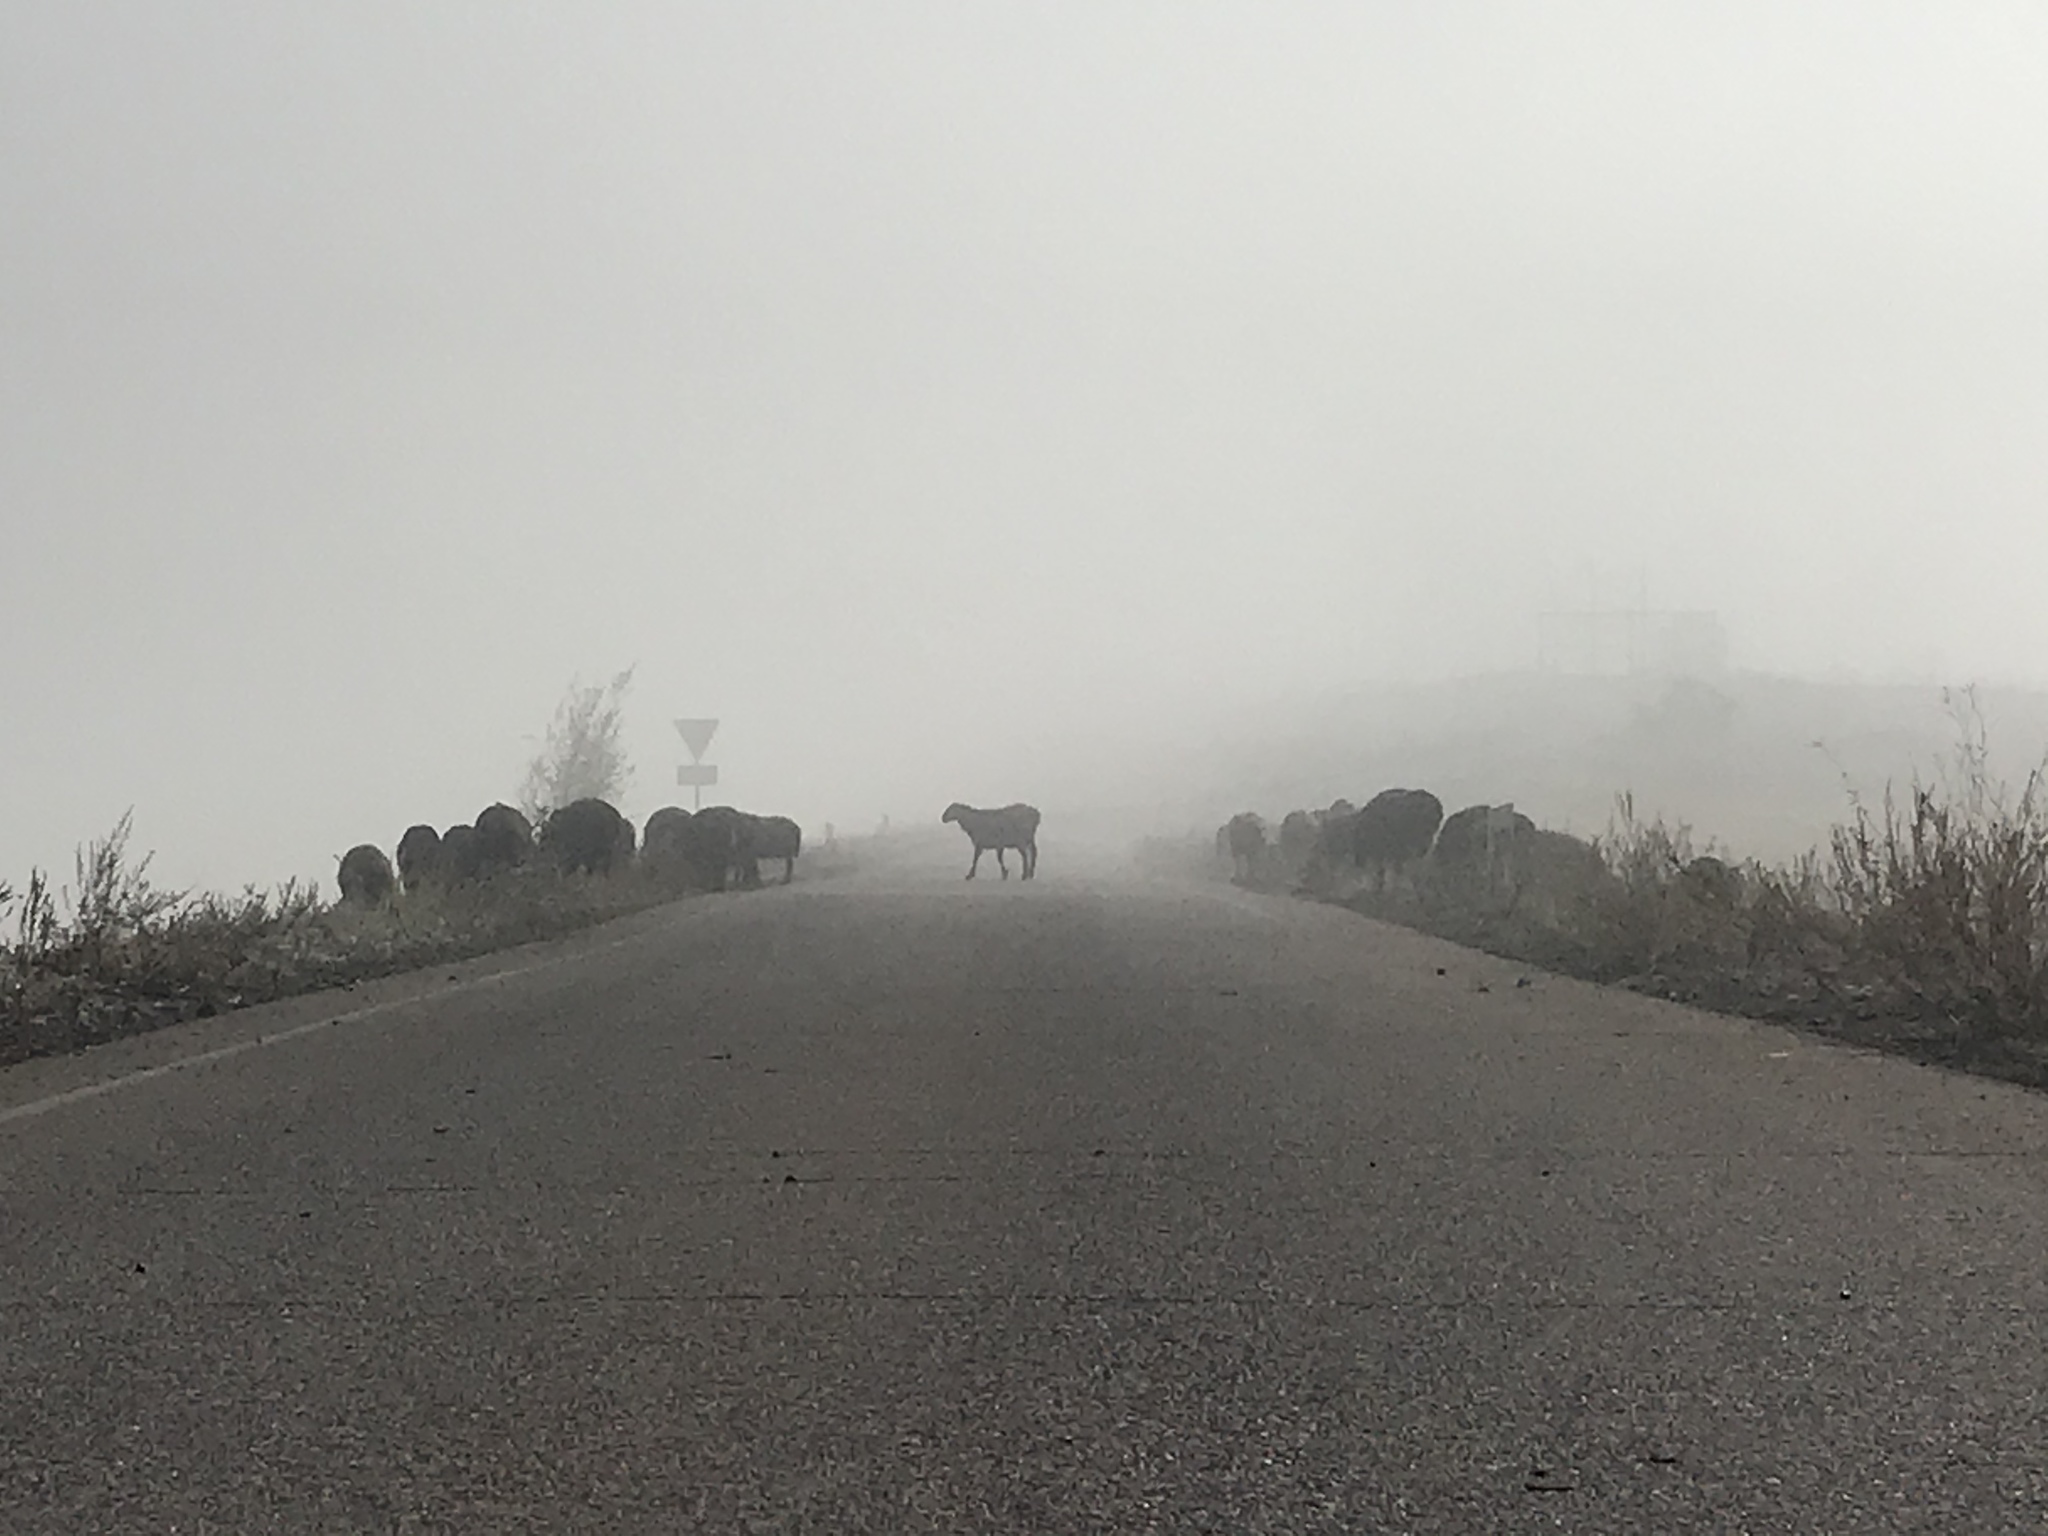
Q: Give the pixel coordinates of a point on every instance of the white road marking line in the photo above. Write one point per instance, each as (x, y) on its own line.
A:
(85, 1091)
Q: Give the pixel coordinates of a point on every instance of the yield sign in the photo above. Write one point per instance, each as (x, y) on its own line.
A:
(696, 736)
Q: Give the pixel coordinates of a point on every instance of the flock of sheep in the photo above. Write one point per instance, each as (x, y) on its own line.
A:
(714, 849)
(1386, 839)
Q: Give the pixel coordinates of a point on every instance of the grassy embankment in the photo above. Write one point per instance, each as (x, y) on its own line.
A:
(114, 955)
(1920, 928)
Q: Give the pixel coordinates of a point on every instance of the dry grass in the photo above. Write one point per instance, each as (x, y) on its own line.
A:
(1921, 928)
(115, 955)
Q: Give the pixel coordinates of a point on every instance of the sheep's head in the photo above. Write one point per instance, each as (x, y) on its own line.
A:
(953, 813)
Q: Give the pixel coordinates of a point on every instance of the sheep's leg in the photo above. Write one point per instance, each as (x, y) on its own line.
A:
(977, 862)
(999, 862)
(1030, 852)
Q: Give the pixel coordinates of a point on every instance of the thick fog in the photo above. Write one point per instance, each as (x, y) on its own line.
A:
(1072, 403)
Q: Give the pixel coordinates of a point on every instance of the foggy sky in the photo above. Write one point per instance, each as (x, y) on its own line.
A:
(962, 400)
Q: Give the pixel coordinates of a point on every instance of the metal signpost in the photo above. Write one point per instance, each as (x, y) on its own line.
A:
(697, 773)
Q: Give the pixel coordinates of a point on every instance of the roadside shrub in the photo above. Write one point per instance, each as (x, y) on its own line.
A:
(119, 956)
(1947, 898)
(1923, 925)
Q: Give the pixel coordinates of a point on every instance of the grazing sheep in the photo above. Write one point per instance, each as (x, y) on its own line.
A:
(583, 837)
(1014, 826)
(1562, 881)
(1395, 828)
(777, 837)
(662, 841)
(461, 854)
(1246, 835)
(1479, 850)
(663, 824)
(504, 838)
(419, 857)
(1297, 838)
(718, 846)
(365, 876)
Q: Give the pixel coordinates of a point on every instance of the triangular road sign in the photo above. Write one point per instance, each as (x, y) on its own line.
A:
(696, 736)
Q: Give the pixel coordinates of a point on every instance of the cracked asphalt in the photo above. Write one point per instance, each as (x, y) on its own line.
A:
(896, 1204)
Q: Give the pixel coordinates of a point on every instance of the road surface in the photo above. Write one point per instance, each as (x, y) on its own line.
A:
(895, 1204)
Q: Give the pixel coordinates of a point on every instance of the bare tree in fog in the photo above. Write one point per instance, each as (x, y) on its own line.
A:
(584, 757)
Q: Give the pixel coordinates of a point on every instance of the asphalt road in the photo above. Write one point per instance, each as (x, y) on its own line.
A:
(895, 1204)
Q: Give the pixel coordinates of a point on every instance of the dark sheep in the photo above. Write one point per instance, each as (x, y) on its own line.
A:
(1395, 829)
(661, 824)
(419, 857)
(718, 848)
(584, 837)
(777, 837)
(1297, 838)
(365, 876)
(1334, 839)
(1482, 849)
(1245, 833)
(504, 838)
(461, 854)
(662, 840)
(1562, 879)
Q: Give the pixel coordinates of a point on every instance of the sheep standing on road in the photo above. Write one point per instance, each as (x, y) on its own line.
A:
(1245, 835)
(717, 844)
(1014, 826)
(777, 837)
